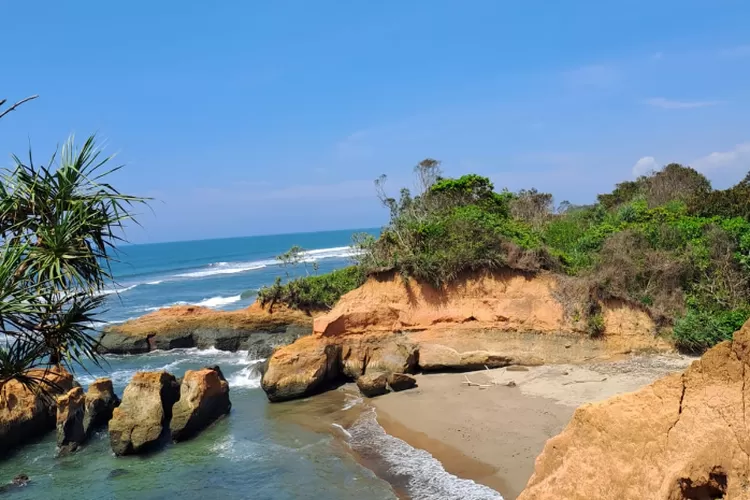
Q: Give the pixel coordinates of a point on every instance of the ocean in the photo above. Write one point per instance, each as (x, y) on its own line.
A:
(315, 448)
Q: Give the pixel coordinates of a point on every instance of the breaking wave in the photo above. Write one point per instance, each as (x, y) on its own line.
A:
(219, 268)
(219, 301)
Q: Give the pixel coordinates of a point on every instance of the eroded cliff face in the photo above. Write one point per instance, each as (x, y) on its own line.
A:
(255, 329)
(685, 436)
(487, 319)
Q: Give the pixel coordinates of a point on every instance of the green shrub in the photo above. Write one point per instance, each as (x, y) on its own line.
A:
(312, 293)
(595, 325)
(666, 242)
(697, 330)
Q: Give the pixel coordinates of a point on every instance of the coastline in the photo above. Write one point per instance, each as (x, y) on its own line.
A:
(492, 435)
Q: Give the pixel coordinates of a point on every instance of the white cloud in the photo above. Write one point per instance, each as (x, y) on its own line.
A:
(661, 102)
(645, 165)
(736, 158)
(594, 75)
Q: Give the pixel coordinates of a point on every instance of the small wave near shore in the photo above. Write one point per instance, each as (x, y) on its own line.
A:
(415, 471)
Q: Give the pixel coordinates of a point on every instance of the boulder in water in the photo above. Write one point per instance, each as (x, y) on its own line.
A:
(70, 414)
(101, 402)
(19, 481)
(26, 414)
(204, 397)
(140, 422)
(373, 384)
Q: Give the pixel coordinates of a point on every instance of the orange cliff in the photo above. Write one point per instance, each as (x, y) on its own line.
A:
(486, 319)
(685, 436)
(255, 328)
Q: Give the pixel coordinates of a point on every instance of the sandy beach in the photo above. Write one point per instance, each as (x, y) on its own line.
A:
(492, 433)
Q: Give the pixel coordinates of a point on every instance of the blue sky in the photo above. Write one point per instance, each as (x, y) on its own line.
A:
(244, 118)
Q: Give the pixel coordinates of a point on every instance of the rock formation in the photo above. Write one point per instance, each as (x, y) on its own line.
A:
(79, 414)
(26, 414)
(485, 320)
(142, 418)
(204, 397)
(401, 382)
(70, 414)
(310, 366)
(373, 384)
(254, 329)
(101, 402)
(685, 436)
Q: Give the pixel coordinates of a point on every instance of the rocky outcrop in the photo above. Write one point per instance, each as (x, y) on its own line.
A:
(685, 436)
(254, 329)
(488, 320)
(142, 419)
(309, 367)
(70, 415)
(26, 414)
(79, 414)
(373, 384)
(401, 382)
(204, 397)
(101, 402)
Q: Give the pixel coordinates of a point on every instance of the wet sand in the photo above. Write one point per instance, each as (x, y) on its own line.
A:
(493, 434)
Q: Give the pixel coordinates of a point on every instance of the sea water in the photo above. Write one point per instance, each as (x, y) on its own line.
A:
(302, 449)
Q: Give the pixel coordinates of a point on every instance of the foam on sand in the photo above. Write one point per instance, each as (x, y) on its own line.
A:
(416, 471)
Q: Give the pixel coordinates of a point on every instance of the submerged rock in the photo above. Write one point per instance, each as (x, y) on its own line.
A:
(70, 415)
(683, 437)
(140, 422)
(373, 384)
(19, 481)
(401, 382)
(204, 397)
(101, 402)
(26, 414)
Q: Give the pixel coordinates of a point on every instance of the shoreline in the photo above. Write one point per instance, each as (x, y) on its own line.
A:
(492, 435)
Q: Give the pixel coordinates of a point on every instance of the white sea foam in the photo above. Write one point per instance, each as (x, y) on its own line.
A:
(341, 428)
(240, 267)
(224, 268)
(423, 477)
(219, 301)
(111, 291)
(351, 401)
(156, 308)
(157, 282)
(246, 378)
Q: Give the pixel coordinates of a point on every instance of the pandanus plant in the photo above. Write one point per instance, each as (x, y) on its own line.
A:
(59, 227)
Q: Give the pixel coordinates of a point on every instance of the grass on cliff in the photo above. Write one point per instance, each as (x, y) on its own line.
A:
(312, 293)
(667, 241)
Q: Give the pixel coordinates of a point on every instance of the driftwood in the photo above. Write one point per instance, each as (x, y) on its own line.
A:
(474, 384)
(583, 381)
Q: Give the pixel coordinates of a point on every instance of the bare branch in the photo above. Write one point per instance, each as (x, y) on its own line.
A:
(3, 113)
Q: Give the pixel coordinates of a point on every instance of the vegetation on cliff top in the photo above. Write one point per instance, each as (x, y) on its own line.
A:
(59, 225)
(666, 241)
